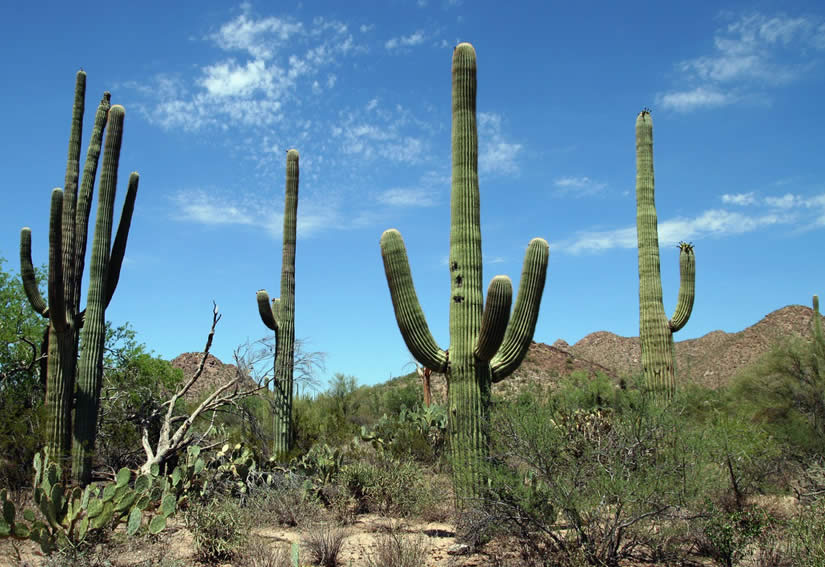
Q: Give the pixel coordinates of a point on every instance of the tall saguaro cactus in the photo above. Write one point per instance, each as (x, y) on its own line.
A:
(486, 343)
(71, 385)
(280, 315)
(655, 330)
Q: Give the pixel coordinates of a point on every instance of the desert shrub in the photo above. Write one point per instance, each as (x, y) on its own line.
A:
(396, 549)
(259, 553)
(806, 535)
(597, 479)
(725, 535)
(287, 500)
(218, 528)
(384, 484)
(420, 433)
(323, 543)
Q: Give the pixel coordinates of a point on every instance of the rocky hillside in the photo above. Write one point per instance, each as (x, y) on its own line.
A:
(215, 374)
(712, 360)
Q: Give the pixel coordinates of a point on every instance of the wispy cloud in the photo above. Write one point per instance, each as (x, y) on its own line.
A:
(739, 199)
(416, 38)
(796, 211)
(379, 131)
(269, 61)
(578, 186)
(399, 197)
(496, 154)
(211, 209)
(750, 55)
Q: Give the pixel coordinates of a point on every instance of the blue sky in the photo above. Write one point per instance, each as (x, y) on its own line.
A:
(216, 92)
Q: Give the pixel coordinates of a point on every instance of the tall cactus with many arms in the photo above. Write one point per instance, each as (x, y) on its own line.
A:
(655, 330)
(280, 315)
(486, 343)
(71, 385)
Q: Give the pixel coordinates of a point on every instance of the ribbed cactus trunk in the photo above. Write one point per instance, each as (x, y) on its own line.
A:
(655, 330)
(72, 400)
(486, 344)
(280, 316)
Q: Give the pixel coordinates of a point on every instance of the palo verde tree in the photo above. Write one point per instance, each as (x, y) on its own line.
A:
(655, 330)
(486, 343)
(72, 385)
(280, 315)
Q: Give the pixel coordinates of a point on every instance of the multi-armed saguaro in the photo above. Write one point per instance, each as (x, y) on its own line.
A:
(71, 385)
(655, 331)
(280, 316)
(484, 346)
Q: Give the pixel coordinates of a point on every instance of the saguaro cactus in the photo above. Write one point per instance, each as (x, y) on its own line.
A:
(280, 316)
(70, 386)
(484, 346)
(655, 330)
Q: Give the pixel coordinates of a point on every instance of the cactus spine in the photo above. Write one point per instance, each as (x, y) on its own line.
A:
(71, 385)
(655, 330)
(280, 316)
(486, 344)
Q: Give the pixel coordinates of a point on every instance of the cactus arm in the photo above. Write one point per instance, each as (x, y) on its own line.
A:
(687, 287)
(57, 301)
(408, 312)
(27, 274)
(525, 314)
(495, 317)
(119, 246)
(70, 272)
(89, 375)
(267, 312)
(86, 191)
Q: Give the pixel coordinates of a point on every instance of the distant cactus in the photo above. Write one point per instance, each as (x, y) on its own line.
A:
(484, 346)
(655, 330)
(280, 315)
(72, 385)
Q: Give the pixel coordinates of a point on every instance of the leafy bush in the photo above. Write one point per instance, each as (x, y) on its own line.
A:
(287, 499)
(806, 535)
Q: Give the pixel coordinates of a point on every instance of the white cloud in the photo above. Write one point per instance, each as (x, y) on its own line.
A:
(399, 197)
(253, 210)
(495, 153)
(283, 57)
(712, 223)
(685, 101)
(578, 186)
(377, 131)
(258, 37)
(749, 55)
(739, 199)
(416, 38)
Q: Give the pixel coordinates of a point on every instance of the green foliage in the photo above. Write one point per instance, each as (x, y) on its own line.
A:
(806, 535)
(21, 392)
(420, 433)
(726, 535)
(609, 466)
(66, 516)
(785, 392)
(135, 385)
(379, 482)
